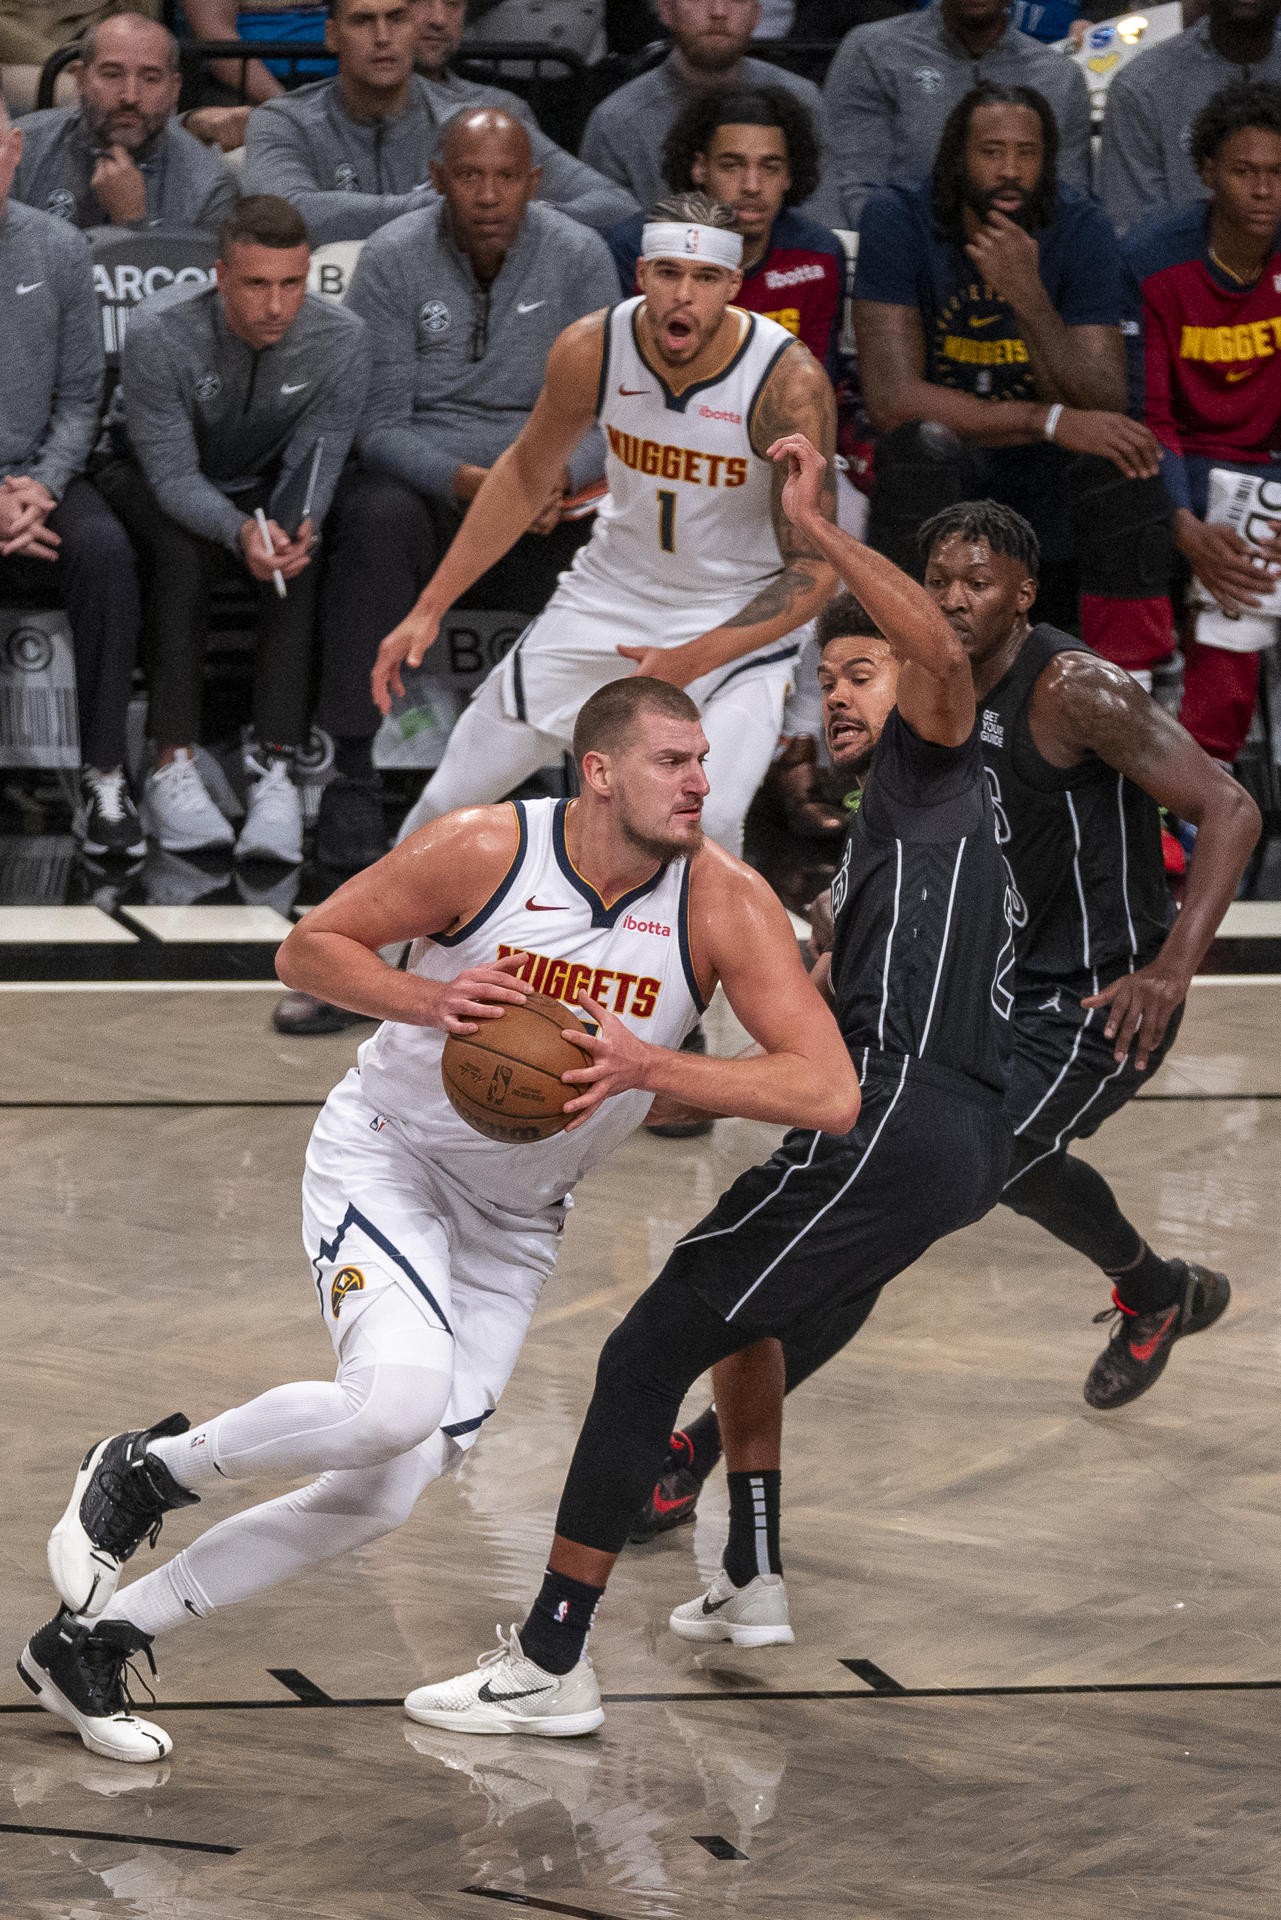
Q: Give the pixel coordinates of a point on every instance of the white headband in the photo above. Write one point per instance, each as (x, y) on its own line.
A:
(677, 240)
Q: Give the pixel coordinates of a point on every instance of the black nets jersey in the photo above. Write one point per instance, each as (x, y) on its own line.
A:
(923, 957)
(1083, 842)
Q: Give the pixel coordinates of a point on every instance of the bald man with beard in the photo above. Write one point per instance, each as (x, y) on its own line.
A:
(462, 300)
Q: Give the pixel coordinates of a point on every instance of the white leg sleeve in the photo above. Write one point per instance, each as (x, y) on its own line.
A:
(257, 1549)
(742, 725)
(486, 756)
(374, 1433)
(393, 1385)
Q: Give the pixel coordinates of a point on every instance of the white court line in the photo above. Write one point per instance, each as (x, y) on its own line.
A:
(141, 986)
(232, 925)
(62, 926)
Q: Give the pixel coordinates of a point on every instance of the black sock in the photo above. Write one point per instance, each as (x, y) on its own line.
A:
(752, 1548)
(704, 1437)
(354, 757)
(1150, 1284)
(559, 1621)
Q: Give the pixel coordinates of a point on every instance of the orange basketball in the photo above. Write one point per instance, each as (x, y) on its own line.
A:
(504, 1080)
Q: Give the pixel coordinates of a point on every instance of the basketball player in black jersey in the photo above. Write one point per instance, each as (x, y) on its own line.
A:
(1080, 760)
(919, 979)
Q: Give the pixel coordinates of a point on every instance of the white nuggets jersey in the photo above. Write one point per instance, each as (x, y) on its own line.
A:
(632, 957)
(688, 509)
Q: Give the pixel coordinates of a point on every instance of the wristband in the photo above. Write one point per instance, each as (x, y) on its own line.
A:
(1052, 419)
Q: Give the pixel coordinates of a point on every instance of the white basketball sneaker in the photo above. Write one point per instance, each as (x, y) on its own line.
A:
(78, 1672)
(178, 813)
(750, 1616)
(273, 828)
(507, 1693)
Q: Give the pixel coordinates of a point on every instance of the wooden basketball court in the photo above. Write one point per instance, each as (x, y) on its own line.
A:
(1037, 1663)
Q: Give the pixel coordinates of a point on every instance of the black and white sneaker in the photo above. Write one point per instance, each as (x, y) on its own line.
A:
(119, 1500)
(106, 821)
(79, 1672)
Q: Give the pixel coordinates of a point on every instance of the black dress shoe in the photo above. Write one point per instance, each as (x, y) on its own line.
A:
(301, 1013)
(351, 832)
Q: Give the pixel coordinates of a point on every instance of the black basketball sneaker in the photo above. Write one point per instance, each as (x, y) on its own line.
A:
(119, 1500)
(1139, 1345)
(675, 1494)
(78, 1671)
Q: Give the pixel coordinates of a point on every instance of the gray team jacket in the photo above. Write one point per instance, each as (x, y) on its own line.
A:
(51, 383)
(208, 417)
(1150, 106)
(187, 184)
(347, 179)
(457, 366)
(892, 85)
(624, 135)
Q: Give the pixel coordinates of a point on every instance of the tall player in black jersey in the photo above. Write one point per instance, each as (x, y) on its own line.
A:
(1080, 760)
(919, 983)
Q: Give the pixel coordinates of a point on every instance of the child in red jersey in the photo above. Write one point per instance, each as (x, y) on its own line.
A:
(1209, 280)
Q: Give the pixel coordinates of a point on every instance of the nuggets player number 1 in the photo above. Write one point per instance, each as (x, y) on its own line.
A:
(693, 573)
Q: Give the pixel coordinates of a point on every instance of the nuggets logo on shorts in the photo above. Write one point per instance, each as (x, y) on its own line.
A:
(350, 1280)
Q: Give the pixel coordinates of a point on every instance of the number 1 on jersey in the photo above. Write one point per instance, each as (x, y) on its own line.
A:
(666, 520)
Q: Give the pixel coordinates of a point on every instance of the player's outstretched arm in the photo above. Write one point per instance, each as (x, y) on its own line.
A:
(1085, 705)
(797, 398)
(935, 688)
(433, 882)
(802, 1077)
(511, 497)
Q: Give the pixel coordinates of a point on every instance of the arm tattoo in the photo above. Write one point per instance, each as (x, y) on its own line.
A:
(797, 398)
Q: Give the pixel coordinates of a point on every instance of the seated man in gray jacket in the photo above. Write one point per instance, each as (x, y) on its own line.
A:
(240, 402)
(119, 158)
(58, 542)
(462, 302)
(355, 152)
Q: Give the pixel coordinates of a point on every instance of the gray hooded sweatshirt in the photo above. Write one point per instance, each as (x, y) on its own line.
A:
(892, 85)
(51, 385)
(347, 178)
(187, 184)
(1150, 108)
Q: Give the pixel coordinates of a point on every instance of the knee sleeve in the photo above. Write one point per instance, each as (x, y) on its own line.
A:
(397, 1410)
(920, 469)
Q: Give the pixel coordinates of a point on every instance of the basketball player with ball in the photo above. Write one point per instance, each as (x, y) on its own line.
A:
(693, 574)
(439, 1171)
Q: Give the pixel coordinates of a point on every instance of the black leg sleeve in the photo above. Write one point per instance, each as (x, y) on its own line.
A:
(1072, 1201)
(646, 1368)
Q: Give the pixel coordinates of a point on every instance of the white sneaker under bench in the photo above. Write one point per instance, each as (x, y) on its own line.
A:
(507, 1693)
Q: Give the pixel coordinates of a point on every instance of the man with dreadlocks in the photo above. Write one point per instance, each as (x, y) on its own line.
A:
(987, 305)
(1079, 761)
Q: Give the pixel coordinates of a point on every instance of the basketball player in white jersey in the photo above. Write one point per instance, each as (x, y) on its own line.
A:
(428, 1242)
(693, 573)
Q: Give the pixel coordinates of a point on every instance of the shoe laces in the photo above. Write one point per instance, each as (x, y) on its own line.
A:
(110, 1668)
(107, 792)
(508, 1648)
(184, 788)
(1116, 1313)
(136, 1514)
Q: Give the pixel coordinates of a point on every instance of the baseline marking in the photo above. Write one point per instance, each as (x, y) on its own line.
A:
(116, 1839)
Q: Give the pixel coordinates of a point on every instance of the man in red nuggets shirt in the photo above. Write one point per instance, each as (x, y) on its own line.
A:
(1210, 282)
